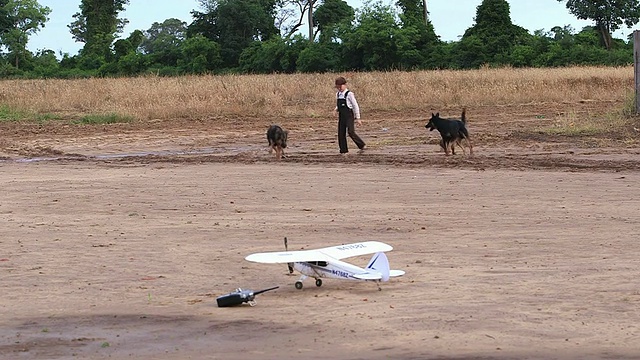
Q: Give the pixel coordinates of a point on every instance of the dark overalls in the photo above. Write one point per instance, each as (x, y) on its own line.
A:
(346, 126)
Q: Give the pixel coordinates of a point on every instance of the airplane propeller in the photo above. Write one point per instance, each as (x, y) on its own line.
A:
(289, 265)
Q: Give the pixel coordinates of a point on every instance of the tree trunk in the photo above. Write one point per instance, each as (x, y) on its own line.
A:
(605, 35)
(310, 20)
(426, 13)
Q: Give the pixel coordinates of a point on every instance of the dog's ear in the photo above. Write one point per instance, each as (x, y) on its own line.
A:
(438, 114)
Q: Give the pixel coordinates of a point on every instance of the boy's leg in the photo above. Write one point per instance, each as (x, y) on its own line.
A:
(342, 135)
(352, 134)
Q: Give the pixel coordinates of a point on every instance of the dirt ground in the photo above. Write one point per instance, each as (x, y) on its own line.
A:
(118, 239)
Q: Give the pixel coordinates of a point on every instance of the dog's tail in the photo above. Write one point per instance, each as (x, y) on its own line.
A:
(464, 116)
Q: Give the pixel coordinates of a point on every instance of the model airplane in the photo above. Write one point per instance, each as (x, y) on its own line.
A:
(326, 262)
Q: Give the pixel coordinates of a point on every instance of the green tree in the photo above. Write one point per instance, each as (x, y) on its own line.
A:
(416, 39)
(97, 24)
(275, 55)
(492, 38)
(24, 18)
(5, 19)
(412, 11)
(45, 64)
(234, 25)
(162, 41)
(522, 56)
(589, 36)
(329, 16)
(609, 15)
(129, 45)
(318, 58)
(418, 47)
(200, 55)
(469, 53)
(563, 35)
(371, 44)
(264, 56)
(295, 46)
(132, 64)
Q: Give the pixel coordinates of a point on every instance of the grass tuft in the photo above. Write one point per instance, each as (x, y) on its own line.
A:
(8, 113)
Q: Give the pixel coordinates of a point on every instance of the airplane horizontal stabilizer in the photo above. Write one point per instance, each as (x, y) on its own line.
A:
(394, 273)
(368, 276)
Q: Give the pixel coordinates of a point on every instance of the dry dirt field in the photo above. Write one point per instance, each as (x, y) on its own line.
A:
(117, 239)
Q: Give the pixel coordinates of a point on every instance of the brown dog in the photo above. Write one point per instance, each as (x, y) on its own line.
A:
(277, 138)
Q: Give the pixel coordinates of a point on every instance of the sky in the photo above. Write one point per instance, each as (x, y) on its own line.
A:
(450, 18)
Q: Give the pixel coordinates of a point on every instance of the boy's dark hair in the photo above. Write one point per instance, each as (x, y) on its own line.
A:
(340, 80)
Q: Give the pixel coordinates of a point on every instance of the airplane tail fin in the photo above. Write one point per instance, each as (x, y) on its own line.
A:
(380, 263)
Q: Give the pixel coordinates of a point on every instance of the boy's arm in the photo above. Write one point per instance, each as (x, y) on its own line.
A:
(354, 103)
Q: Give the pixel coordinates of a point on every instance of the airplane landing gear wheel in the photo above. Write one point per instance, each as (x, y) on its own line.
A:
(298, 285)
(318, 282)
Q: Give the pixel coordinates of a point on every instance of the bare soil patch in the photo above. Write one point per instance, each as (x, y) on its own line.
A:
(117, 239)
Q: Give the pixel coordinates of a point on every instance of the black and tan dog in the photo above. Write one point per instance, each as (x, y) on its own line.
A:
(452, 131)
(277, 138)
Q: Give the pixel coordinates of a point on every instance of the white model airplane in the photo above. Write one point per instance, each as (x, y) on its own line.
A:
(326, 262)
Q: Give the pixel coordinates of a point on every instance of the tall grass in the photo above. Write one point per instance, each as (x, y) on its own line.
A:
(312, 95)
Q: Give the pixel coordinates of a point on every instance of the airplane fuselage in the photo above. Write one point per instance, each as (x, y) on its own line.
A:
(323, 269)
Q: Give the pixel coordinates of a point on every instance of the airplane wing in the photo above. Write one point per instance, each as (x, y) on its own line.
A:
(355, 249)
(325, 254)
(288, 256)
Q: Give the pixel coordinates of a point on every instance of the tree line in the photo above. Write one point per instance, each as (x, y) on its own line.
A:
(264, 36)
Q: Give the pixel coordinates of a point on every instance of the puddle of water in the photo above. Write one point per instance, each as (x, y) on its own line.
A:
(205, 151)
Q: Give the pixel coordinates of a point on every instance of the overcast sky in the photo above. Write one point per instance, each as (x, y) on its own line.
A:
(450, 18)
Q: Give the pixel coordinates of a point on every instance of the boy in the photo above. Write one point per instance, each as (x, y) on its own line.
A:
(348, 111)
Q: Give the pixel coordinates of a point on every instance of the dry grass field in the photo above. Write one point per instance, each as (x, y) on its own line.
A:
(310, 95)
(129, 205)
